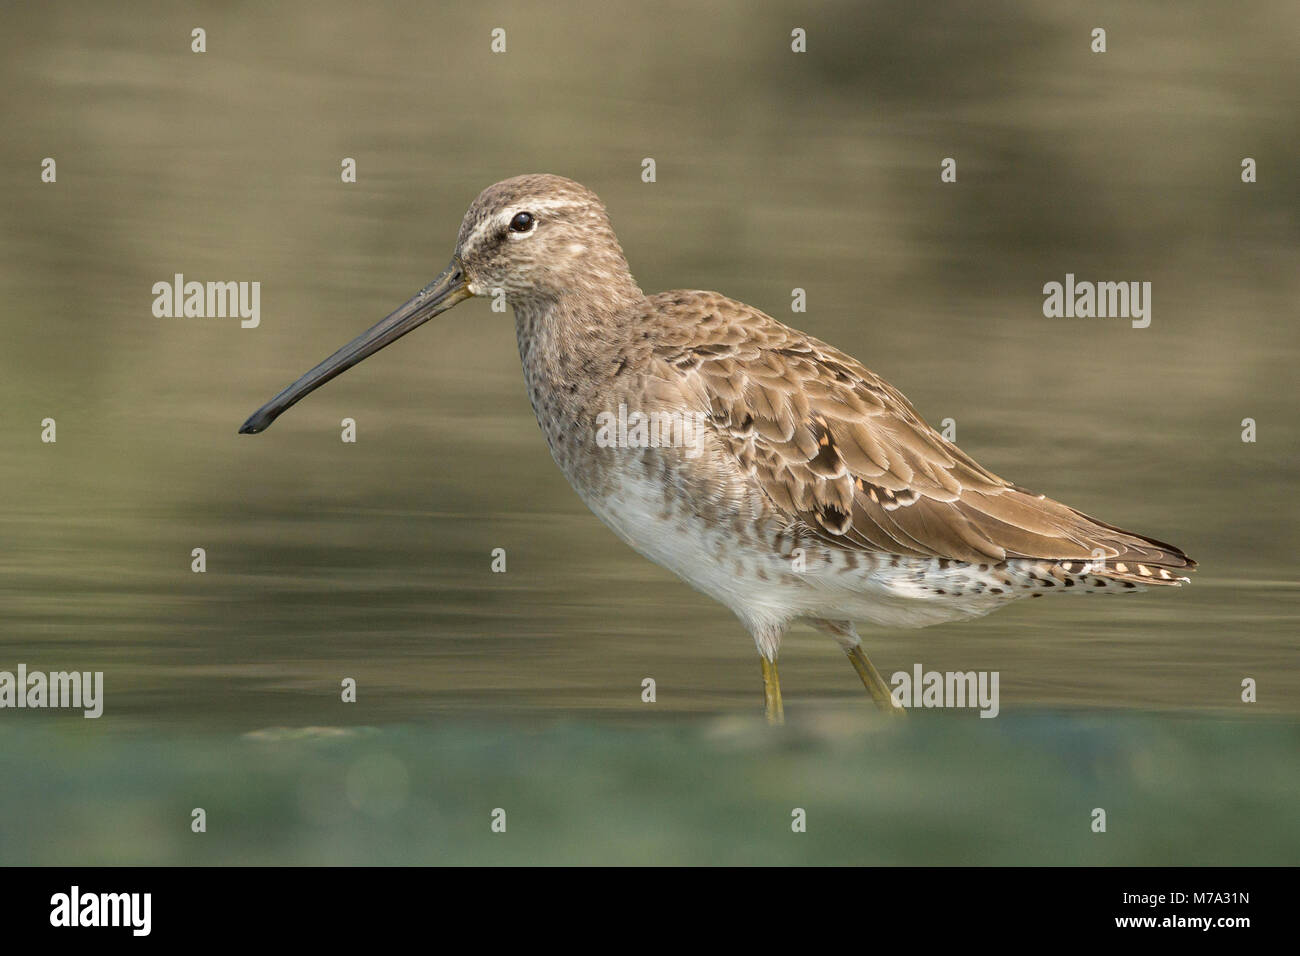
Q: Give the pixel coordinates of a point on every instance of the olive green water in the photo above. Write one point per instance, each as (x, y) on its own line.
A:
(522, 690)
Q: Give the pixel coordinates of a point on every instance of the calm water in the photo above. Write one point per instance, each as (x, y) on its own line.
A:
(372, 560)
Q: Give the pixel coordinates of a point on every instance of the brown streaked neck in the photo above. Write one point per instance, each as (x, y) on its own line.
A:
(571, 337)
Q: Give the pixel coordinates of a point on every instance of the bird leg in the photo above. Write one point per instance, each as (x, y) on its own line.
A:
(772, 707)
(872, 681)
(846, 635)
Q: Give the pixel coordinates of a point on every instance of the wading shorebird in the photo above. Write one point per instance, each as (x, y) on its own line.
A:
(810, 489)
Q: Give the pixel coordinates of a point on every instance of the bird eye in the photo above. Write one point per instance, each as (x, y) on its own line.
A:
(522, 222)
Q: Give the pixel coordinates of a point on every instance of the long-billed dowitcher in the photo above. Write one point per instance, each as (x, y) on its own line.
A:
(810, 489)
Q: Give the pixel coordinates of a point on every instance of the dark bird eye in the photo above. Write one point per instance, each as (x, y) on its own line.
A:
(522, 222)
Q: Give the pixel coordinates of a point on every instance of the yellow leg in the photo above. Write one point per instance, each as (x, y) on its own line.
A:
(772, 706)
(872, 680)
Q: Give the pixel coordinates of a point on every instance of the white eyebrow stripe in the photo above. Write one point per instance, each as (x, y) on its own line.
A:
(502, 220)
(545, 204)
(473, 238)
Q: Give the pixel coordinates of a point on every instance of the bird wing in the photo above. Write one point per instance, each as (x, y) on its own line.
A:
(839, 448)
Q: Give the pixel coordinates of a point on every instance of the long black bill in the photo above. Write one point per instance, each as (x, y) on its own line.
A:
(437, 297)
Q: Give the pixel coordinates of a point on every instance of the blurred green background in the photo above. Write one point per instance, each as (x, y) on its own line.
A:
(372, 560)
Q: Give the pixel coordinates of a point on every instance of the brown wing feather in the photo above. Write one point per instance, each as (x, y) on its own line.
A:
(836, 446)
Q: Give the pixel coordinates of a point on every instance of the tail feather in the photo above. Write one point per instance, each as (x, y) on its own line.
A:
(1115, 553)
(1140, 550)
(1139, 573)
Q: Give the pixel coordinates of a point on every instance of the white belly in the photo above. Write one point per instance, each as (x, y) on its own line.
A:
(766, 587)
